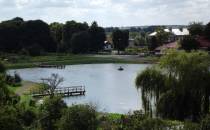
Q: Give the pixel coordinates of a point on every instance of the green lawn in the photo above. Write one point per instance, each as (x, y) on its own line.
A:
(66, 59)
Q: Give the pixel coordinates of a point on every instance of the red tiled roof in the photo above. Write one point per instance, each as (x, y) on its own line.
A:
(203, 41)
(171, 45)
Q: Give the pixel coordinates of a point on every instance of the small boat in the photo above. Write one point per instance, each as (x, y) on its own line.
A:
(120, 69)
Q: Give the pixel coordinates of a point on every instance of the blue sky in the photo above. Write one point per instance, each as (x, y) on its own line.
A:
(109, 12)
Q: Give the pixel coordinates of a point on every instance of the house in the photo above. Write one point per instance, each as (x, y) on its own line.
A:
(108, 46)
(175, 34)
(161, 49)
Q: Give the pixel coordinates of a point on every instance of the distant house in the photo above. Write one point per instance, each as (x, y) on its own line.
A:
(108, 46)
(161, 49)
(176, 34)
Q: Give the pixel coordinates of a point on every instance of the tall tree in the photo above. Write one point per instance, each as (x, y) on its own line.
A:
(189, 43)
(185, 83)
(196, 28)
(97, 37)
(70, 28)
(56, 30)
(207, 31)
(80, 42)
(38, 32)
(120, 39)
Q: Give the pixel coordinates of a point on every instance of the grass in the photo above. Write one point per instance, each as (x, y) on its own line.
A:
(25, 96)
(15, 62)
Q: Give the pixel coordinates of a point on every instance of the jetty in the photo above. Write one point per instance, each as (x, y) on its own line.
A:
(63, 91)
(51, 66)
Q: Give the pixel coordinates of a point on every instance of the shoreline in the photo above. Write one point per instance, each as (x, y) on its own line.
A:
(31, 62)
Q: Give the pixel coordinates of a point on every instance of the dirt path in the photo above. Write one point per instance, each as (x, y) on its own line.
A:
(25, 88)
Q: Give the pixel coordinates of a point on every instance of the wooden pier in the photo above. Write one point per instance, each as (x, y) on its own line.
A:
(64, 92)
(51, 66)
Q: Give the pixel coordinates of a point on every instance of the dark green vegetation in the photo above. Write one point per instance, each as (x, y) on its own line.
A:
(120, 39)
(36, 37)
(178, 85)
(197, 30)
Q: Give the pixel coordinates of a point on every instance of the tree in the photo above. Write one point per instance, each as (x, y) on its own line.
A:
(97, 37)
(70, 28)
(51, 111)
(207, 31)
(140, 41)
(52, 83)
(161, 36)
(151, 83)
(196, 28)
(37, 33)
(2, 68)
(79, 117)
(11, 34)
(9, 119)
(189, 43)
(120, 39)
(56, 30)
(80, 42)
(183, 82)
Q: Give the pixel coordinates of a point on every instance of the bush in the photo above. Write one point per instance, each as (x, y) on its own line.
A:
(51, 112)
(2, 68)
(17, 78)
(8, 119)
(14, 81)
(189, 43)
(79, 117)
(205, 123)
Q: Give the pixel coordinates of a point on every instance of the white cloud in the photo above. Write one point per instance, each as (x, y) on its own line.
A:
(109, 12)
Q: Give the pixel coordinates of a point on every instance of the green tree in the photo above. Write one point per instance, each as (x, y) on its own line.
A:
(56, 30)
(9, 119)
(189, 43)
(120, 39)
(2, 68)
(196, 28)
(151, 83)
(184, 83)
(97, 37)
(79, 117)
(80, 42)
(51, 112)
(162, 36)
(69, 29)
(207, 31)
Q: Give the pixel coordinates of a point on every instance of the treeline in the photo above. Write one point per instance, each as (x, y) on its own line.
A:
(35, 37)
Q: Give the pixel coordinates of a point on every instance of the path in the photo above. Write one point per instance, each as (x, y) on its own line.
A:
(25, 88)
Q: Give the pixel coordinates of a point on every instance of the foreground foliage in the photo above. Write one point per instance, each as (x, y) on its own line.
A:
(181, 79)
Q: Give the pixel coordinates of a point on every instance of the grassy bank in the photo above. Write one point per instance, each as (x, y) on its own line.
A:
(15, 62)
(25, 90)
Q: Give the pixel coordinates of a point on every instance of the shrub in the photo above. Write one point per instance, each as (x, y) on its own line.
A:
(79, 117)
(51, 112)
(205, 123)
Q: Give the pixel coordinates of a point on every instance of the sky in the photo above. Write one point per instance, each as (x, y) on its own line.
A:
(109, 12)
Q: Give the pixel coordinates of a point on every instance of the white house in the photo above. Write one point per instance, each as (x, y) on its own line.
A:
(176, 32)
(107, 46)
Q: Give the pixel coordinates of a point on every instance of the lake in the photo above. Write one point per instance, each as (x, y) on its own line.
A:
(109, 89)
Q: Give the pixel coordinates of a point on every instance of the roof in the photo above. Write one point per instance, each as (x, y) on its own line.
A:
(204, 42)
(177, 32)
(182, 32)
(171, 45)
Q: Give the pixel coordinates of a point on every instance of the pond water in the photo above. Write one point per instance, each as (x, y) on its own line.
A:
(108, 88)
